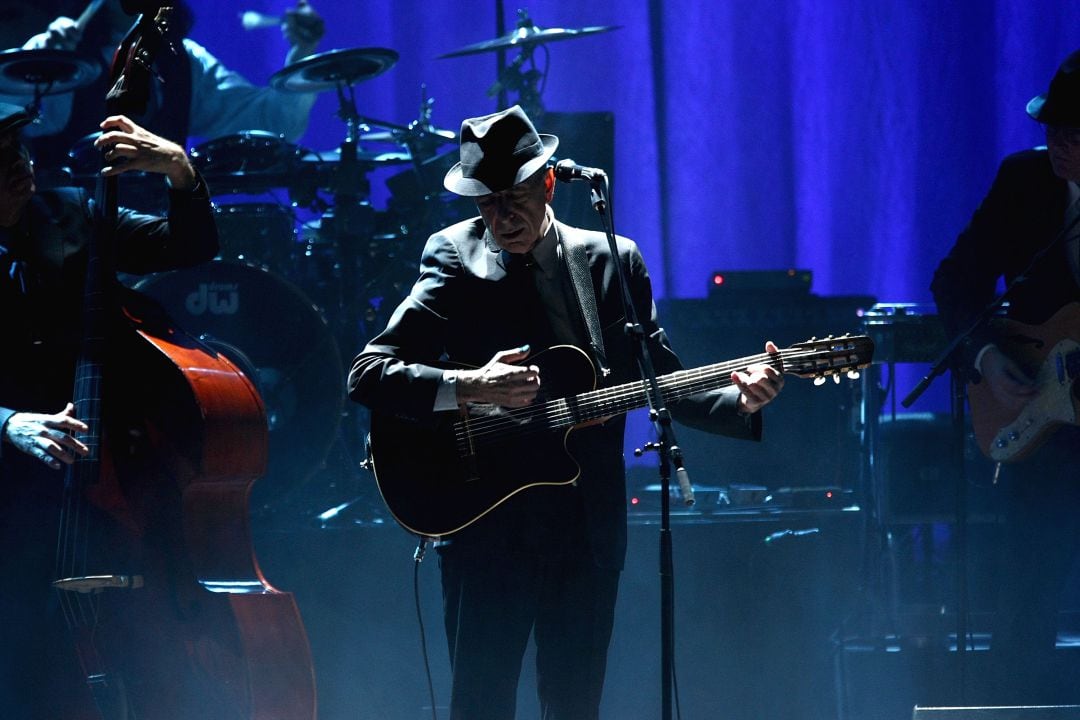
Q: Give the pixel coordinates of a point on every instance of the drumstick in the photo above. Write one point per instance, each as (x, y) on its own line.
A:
(88, 14)
(254, 20)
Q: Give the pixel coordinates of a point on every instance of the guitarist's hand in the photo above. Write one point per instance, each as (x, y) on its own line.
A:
(1008, 383)
(47, 437)
(499, 382)
(759, 383)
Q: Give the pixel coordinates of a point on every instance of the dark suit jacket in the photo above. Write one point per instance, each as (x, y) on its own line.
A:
(41, 327)
(1021, 214)
(459, 309)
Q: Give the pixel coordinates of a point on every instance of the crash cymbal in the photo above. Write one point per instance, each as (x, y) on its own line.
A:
(328, 70)
(45, 72)
(528, 36)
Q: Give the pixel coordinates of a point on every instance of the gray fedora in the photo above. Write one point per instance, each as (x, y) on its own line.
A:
(1061, 104)
(497, 152)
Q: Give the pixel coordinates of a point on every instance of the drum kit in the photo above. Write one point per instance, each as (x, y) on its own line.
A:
(300, 283)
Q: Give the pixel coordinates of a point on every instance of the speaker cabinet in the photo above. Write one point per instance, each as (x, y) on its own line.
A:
(811, 433)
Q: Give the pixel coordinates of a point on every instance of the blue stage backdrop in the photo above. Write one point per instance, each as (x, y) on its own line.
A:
(851, 138)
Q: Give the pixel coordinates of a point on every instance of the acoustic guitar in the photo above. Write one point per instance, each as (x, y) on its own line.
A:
(439, 477)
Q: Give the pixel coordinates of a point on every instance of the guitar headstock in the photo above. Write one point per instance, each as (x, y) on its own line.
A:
(830, 356)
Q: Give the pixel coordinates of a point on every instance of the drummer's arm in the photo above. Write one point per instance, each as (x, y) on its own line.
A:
(55, 109)
(223, 102)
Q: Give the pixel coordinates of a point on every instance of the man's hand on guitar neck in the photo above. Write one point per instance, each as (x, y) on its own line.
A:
(759, 384)
(499, 382)
(1008, 383)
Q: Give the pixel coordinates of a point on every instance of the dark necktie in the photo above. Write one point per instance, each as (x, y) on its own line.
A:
(521, 275)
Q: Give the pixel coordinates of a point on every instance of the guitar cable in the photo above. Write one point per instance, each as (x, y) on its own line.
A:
(418, 557)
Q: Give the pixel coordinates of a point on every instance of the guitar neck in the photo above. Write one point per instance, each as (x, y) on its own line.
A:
(619, 399)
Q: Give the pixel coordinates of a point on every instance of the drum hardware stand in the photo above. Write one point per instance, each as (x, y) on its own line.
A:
(350, 220)
(525, 83)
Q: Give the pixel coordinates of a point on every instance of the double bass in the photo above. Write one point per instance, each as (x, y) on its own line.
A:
(169, 613)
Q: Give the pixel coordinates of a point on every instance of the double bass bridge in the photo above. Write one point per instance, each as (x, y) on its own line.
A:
(86, 584)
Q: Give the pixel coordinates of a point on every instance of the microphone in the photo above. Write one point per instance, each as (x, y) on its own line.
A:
(254, 20)
(569, 171)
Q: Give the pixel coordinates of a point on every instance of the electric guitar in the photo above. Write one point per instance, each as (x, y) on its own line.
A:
(1049, 353)
(439, 477)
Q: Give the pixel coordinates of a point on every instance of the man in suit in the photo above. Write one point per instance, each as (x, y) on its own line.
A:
(492, 290)
(1027, 226)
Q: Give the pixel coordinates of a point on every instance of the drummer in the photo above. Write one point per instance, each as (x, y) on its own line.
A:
(203, 99)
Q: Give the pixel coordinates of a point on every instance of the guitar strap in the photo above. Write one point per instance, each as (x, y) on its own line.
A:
(578, 263)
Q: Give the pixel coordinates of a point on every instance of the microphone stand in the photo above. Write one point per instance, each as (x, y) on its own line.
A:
(942, 363)
(668, 449)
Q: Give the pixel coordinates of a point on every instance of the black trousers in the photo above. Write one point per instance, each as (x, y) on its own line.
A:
(493, 601)
(1039, 548)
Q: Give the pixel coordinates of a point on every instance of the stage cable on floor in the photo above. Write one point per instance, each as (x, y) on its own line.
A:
(418, 557)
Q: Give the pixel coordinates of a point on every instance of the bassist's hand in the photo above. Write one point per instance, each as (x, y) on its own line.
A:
(47, 437)
(499, 382)
(127, 146)
(1008, 383)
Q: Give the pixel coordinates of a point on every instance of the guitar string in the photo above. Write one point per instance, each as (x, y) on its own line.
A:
(611, 397)
(610, 401)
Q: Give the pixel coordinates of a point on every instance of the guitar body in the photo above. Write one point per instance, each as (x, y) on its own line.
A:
(202, 634)
(434, 487)
(1049, 353)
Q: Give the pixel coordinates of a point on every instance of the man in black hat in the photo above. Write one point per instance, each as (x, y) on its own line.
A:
(43, 258)
(493, 290)
(1031, 208)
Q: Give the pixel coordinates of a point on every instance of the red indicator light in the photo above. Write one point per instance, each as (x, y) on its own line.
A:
(718, 279)
(633, 501)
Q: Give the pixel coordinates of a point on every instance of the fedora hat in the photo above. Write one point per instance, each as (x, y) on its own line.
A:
(1061, 104)
(497, 152)
(12, 117)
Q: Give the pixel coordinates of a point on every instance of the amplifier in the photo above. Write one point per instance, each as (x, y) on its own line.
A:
(905, 332)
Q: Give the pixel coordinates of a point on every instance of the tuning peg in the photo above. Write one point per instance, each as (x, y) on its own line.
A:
(819, 380)
(853, 375)
(836, 379)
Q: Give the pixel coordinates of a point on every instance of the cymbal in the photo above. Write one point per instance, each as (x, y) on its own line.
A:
(48, 72)
(407, 135)
(528, 36)
(328, 70)
(363, 158)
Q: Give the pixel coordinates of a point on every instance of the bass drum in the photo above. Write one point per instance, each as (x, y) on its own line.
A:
(278, 338)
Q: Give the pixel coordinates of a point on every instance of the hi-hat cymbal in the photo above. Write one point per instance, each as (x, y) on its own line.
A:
(528, 36)
(329, 70)
(48, 72)
(406, 135)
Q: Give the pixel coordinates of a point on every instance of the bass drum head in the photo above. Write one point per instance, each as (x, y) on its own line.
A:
(277, 337)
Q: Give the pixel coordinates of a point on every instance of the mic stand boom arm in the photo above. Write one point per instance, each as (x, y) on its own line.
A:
(667, 448)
